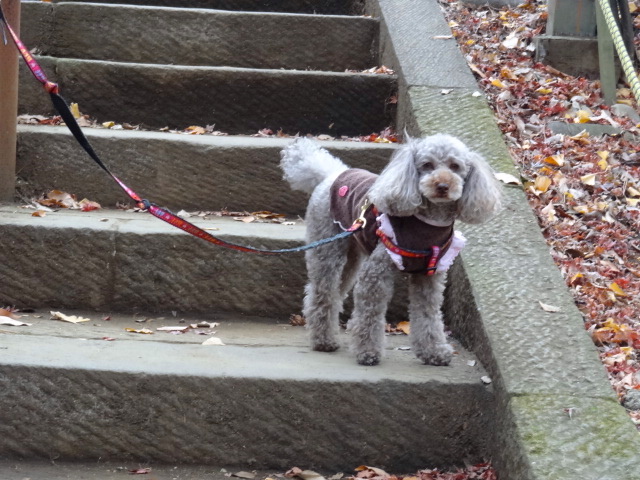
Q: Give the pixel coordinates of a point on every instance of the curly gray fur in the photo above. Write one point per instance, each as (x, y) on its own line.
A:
(437, 178)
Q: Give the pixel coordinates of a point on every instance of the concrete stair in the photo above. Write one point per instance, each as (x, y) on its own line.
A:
(178, 67)
(192, 172)
(262, 400)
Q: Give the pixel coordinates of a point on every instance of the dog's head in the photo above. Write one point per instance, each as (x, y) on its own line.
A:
(437, 171)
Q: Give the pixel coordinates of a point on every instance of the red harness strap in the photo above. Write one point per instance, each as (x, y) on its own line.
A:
(433, 254)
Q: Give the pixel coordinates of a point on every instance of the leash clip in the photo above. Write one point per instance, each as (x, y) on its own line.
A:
(361, 221)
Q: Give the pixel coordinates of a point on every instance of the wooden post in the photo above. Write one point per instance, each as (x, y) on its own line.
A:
(607, 55)
(8, 102)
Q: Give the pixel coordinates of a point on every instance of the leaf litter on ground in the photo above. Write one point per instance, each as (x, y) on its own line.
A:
(585, 189)
(481, 471)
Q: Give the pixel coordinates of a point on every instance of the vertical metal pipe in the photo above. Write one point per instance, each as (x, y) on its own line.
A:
(8, 102)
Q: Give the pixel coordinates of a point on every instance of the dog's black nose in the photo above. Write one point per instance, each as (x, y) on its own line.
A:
(442, 188)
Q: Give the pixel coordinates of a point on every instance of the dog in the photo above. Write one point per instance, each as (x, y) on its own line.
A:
(410, 209)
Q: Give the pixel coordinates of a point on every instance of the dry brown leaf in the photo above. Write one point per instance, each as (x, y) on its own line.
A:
(68, 318)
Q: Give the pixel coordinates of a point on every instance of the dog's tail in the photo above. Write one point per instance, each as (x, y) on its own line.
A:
(305, 164)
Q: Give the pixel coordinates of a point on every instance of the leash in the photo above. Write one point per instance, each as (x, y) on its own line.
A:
(161, 213)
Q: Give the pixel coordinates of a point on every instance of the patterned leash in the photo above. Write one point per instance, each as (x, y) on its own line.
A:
(161, 213)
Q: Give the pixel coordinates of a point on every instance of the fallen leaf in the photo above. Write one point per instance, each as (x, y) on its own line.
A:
(68, 318)
(555, 160)
(195, 130)
(542, 183)
(59, 198)
(248, 475)
(507, 178)
(376, 471)
(14, 323)
(172, 329)
(297, 320)
(549, 308)
(310, 475)
(589, 179)
(140, 471)
(8, 313)
(75, 110)
(144, 331)
(615, 288)
(550, 212)
(88, 205)
(404, 327)
(583, 116)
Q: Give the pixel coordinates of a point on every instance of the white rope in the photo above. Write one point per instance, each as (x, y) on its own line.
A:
(623, 54)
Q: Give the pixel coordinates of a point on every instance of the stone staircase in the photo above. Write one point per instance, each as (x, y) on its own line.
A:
(263, 400)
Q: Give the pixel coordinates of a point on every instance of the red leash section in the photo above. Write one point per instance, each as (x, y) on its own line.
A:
(161, 213)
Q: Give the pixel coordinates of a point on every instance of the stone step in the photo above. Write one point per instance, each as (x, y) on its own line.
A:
(178, 36)
(324, 7)
(262, 399)
(191, 172)
(235, 100)
(132, 261)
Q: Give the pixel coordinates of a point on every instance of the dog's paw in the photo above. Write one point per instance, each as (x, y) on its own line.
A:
(440, 355)
(325, 346)
(369, 359)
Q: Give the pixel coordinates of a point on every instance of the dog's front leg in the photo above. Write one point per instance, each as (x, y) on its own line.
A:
(371, 296)
(428, 339)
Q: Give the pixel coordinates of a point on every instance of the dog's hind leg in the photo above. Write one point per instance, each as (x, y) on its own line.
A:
(371, 296)
(428, 339)
(355, 256)
(323, 298)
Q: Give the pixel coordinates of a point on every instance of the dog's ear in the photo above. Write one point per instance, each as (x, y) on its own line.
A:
(395, 192)
(481, 195)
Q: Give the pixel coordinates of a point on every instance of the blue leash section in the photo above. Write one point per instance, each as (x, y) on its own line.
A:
(163, 214)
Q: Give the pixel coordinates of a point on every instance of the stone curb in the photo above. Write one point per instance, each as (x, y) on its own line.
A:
(544, 364)
(292, 101)
(200, 37)
(232, 173)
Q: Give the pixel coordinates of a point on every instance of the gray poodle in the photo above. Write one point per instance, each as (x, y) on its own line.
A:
(409, 210)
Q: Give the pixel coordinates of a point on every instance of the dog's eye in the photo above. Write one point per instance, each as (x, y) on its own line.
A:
(427, 167)
(454, 167)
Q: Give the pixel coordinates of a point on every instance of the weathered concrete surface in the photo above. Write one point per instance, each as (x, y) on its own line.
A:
(178, 36)
(47, 470)
(192, 172)
(324, 7)
(235, 100)
(246, 403)
(136, 262)
(543, 363)
(419, 59)
(576, 56)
